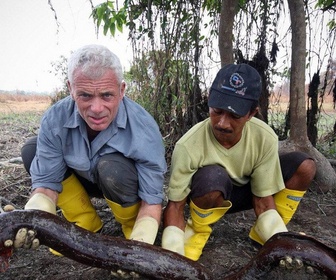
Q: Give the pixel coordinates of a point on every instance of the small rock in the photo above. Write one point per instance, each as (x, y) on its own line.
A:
(8, 208)
(16, 160)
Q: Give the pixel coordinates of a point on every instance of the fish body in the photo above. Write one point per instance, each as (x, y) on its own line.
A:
(151, 261)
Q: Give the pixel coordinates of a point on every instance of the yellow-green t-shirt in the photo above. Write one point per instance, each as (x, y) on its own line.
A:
(254, 158)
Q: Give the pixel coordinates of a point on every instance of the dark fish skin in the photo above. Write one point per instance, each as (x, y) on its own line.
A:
(309, 250)
(98, 250)
(151, 261)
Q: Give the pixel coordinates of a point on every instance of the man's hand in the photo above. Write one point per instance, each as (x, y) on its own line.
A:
(147, 223)
(41, 201)
(122, 274)
(174, 225)
(145, 230)
(290, 263)
(268, 224)
(24, 238)
(173, 239)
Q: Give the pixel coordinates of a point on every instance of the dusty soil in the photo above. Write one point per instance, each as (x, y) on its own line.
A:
(227, 250)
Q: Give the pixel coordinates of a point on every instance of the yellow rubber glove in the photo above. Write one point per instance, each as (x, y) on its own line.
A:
(40, 201)
(145, 229)
(268, 224)
(173, 239)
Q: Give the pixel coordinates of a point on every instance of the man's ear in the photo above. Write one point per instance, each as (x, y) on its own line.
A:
(69, 88)
(253, 113)
(122, 88)
(256, 113)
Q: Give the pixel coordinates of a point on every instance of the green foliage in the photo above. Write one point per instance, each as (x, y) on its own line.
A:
(329, 151)
(112, 18)
(328, 6)
(145, 84)
(58, 95)
(60, 70)
(162, 86)
(169, 39)
(213, 6)
(332, 25)
(167, 46)
(325, 3)
(327, 144)
(13, 119)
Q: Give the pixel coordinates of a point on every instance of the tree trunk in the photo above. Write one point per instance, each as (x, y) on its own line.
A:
(313, 108)
(298, 129)
(225, 34)
(298, 140)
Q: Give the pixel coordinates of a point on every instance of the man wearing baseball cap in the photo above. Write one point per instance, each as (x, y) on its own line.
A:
(228, 163)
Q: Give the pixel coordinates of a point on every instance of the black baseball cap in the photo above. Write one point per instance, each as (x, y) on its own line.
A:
(235, 88)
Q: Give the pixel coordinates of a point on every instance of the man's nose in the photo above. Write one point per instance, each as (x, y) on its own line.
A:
(96, 105)
(224, 121)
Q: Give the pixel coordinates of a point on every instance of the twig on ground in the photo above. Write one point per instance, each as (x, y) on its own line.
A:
(7, 202)
(18, 182)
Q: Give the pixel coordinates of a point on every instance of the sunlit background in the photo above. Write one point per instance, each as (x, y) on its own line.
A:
(30, 40)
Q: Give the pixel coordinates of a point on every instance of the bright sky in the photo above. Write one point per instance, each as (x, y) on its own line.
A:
(30, 42)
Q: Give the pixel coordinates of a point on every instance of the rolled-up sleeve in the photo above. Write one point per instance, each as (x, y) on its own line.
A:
(48, 167)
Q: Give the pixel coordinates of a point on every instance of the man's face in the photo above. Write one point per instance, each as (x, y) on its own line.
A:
(227, 127)
(97, 99)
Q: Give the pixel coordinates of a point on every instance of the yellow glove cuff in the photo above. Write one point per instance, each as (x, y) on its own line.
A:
(268, 224)
(173, 239)
(40, 201)
(145, 230)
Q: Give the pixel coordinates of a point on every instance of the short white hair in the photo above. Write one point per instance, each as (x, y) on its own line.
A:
(94, 61)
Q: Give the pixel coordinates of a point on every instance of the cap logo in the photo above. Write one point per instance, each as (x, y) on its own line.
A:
(231, 109)
(236, 81)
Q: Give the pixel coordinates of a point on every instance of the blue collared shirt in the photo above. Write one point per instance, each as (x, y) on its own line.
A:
(63, 143)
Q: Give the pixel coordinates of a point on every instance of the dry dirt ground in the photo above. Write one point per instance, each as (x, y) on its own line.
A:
(227, 250)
